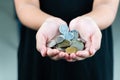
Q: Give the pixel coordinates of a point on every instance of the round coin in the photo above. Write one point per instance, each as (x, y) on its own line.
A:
(65, 43)
(52, 43)
(75, 33)
(78, 44)
(68, 36)
(59, 39)
(60, 49)
(82, 40)
(70, 50)
(63, 29)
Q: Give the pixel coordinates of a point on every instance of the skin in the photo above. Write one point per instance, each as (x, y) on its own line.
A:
(101, 16)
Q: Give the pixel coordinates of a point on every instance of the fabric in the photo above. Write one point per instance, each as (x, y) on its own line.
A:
(32, 66)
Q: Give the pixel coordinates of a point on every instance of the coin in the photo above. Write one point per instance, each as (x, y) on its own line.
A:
(63, 29)
(52, 43)
(59, 39)
(68, 36)
(65, 43)
(60, 49)
(78, 44)
(70, 50)
(82, 40)
(75, 33)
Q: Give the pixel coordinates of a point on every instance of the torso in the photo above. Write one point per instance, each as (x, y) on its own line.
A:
(66, 9)
(31, 66)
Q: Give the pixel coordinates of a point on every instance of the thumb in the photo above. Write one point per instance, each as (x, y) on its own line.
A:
(96, 43)
(72, 24)
(41, 44)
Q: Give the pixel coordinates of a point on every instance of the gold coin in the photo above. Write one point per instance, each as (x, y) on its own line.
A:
(65, 43)
(70, 50)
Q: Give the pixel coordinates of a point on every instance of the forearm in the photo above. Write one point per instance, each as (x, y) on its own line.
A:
(31, 16)
(103, 15)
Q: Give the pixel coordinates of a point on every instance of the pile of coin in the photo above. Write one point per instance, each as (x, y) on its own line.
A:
(67, 41)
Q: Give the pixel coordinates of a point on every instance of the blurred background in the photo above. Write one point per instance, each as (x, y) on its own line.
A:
(9, 39)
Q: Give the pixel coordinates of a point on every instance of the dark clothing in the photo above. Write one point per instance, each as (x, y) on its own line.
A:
(32, 66)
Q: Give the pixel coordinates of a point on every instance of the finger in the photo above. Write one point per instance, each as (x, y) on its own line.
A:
(67, 56)
(74, 57)
(72, 24)
(43, 51)
(41, 44)
(52, 52)
(83, 54)
(96, 43)
(87, 44)
(70, 60)
(55, 57)
(61, 55)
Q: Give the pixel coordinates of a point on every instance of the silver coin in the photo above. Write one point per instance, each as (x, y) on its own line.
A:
(82, 40)
(78, 44)
(75, 33)
(59, 39)
(63, 29)
(52, 43)
(69, 36)
(60, 49)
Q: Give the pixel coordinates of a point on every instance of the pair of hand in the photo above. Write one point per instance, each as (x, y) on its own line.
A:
(87, 29)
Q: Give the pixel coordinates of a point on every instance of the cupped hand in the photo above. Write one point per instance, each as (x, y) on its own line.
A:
(48, 30)
(90, 32)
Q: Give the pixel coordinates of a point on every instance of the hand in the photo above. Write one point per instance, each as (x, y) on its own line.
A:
(48, 30)
(90, 32)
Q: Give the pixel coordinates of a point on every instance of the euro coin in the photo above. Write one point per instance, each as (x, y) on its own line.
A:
(65, 43)
(52, 43)
(59, 39)
(78, 44)
(70, 50)
(75, 33)
(63, 29)
(68, 36)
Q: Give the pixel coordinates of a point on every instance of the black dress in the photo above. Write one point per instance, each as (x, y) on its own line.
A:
(31, 66)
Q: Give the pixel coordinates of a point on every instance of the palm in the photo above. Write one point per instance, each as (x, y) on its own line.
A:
(47, 32)
(90, 32)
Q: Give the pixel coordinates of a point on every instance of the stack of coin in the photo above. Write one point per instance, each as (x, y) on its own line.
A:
(67, 41)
